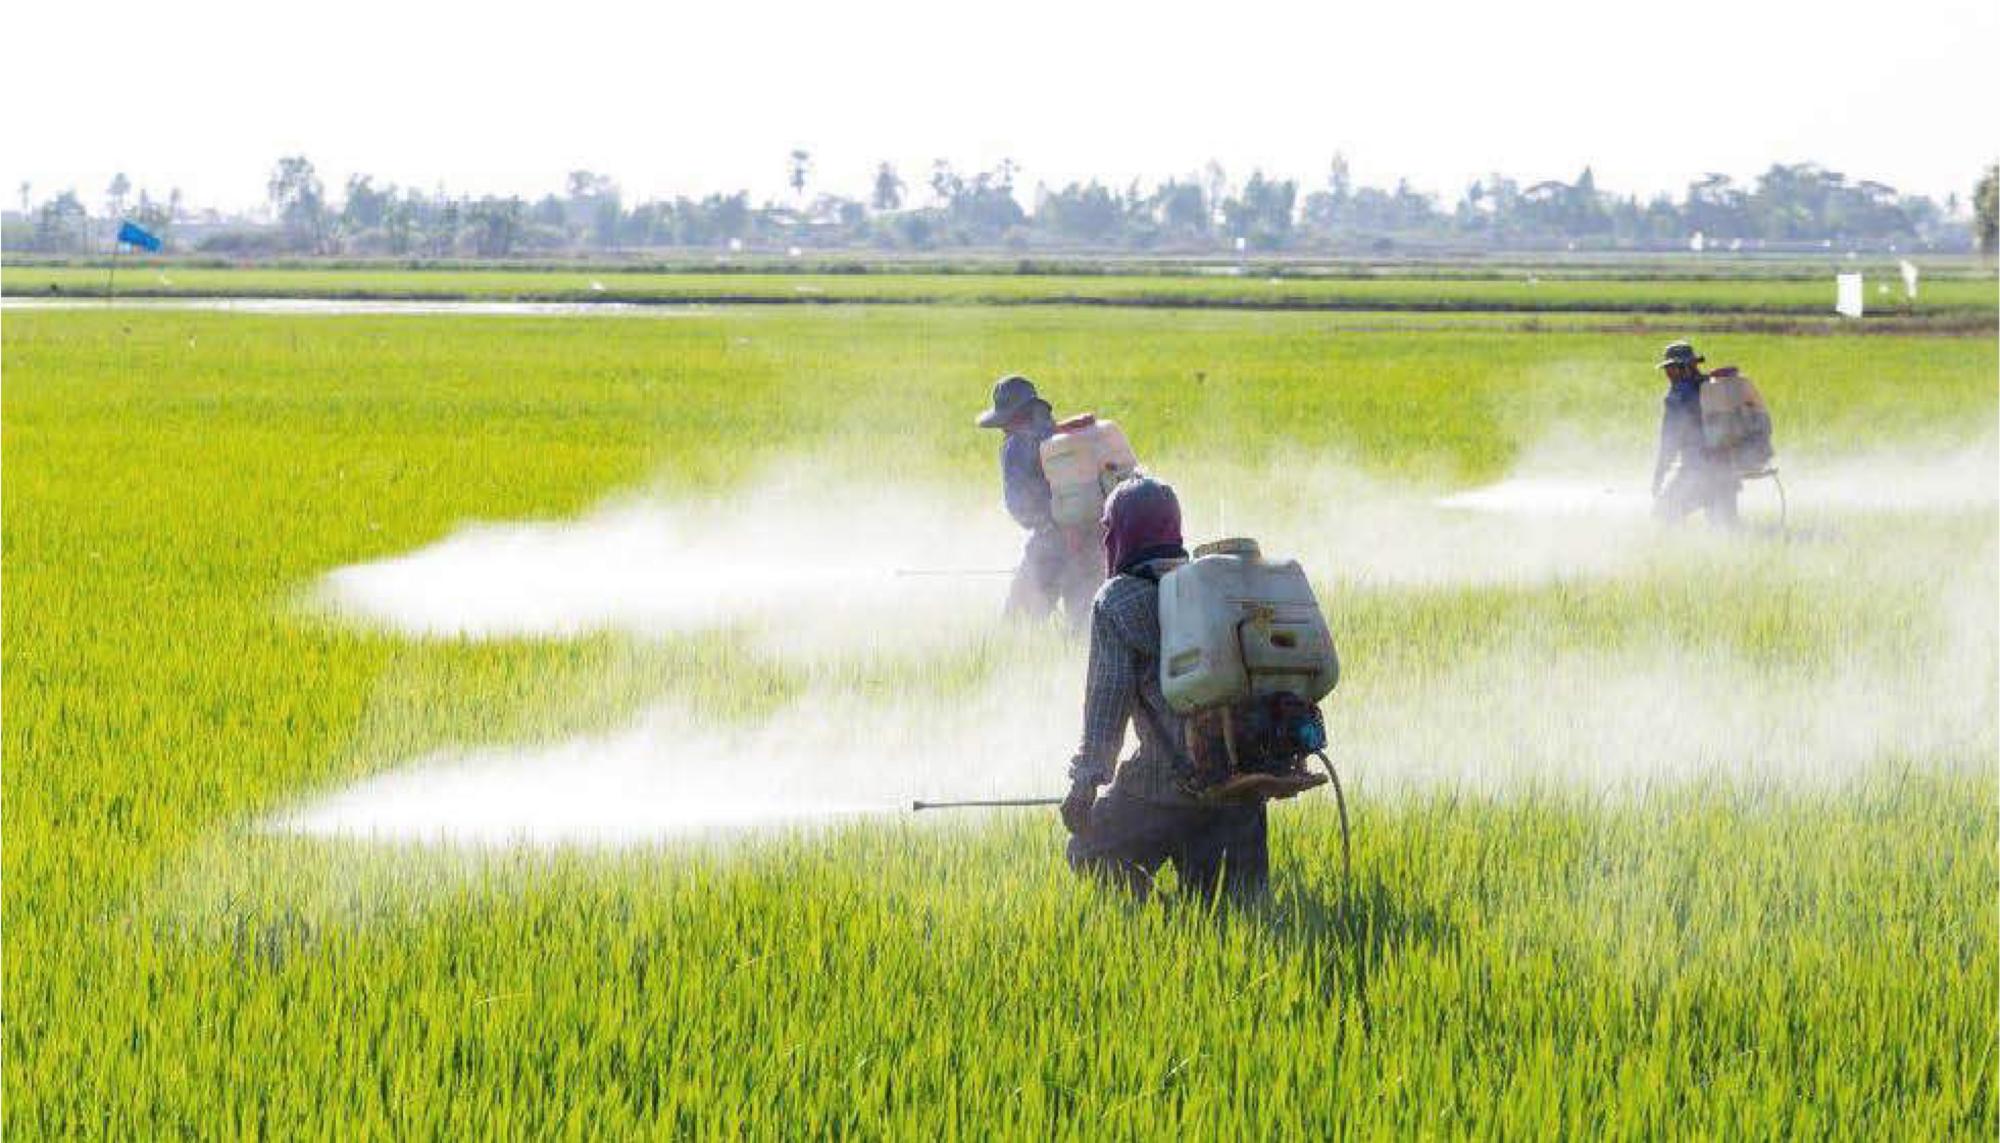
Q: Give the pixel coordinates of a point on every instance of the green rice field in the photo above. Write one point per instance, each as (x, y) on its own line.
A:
(1656, 833)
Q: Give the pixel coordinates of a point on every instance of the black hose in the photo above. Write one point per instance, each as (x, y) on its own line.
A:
(1340, 801)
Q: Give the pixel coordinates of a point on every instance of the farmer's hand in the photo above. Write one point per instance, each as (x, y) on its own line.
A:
(1076, 808)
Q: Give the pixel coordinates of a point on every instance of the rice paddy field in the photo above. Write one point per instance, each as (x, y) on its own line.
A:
(1657, 832)
(1947, 289)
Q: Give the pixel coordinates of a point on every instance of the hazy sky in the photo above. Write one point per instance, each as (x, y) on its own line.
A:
(667, 98)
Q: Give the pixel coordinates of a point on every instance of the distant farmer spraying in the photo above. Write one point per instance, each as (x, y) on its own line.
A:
(1053, 479)
(1715, 431)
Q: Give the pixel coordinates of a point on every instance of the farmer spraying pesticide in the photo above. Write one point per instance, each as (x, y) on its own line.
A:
(1217, 663)
(1054, 477)
(1715, 433)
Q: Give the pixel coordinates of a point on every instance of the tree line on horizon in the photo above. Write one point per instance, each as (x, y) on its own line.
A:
(1795, 206)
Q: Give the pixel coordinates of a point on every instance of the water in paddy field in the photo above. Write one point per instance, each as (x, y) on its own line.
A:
(341, 307)
(823, 576)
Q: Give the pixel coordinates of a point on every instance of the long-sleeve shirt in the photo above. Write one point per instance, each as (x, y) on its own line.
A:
(1680, 428)
(1123, 686)
(1023, 484)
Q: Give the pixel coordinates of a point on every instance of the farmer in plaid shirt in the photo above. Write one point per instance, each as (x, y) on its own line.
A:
(1144, 819)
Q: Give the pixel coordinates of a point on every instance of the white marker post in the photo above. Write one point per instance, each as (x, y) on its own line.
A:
(1848, 299)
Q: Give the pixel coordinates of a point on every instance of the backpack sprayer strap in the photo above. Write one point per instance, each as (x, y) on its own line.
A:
(1181, 761)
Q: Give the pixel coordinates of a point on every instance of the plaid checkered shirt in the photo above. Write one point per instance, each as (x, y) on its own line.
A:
(1123, 686)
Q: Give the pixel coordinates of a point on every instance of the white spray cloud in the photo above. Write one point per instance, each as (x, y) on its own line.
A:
(1573, 481)
(1519, 717)
(1614, 720)
(1353, 531)
(842, 752)
(812, 566)
(806, 567)
(810, 571)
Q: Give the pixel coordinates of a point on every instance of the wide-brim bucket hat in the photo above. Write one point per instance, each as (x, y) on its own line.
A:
(1012, 395)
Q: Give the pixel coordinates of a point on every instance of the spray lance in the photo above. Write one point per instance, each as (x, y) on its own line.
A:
(1238, 788)
(982, 803)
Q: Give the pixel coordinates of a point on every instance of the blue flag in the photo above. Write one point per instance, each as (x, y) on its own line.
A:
(133, 235)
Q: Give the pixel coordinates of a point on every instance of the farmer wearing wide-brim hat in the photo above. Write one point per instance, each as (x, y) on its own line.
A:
(1053, 567)
(1687, 474)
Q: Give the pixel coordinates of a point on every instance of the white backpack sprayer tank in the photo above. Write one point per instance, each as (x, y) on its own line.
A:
(1234, 626)
(1736, 422)
(1084, 461)
(1245, 657)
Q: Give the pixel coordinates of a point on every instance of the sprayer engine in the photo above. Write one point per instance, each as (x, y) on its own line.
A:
(1271, 734)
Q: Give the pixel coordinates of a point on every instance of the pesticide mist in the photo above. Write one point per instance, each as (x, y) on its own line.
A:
(1904, 545)
(799, 566)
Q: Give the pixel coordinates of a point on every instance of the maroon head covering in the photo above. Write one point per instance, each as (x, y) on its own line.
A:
(1142, 521)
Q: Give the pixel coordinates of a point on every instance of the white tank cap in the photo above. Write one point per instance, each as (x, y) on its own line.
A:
(1234, 546)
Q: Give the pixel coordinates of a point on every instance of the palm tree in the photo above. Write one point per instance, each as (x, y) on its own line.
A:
(801, 166)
